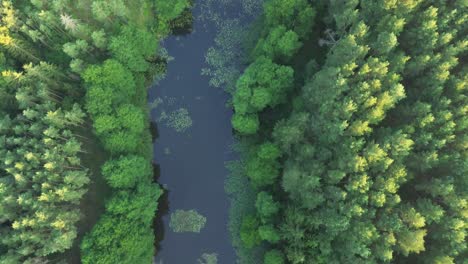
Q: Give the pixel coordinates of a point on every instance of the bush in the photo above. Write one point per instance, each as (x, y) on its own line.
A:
(118, 239)
(249, 231)
(126, 171)
(134, 47)
(274, 257)
(109, 85)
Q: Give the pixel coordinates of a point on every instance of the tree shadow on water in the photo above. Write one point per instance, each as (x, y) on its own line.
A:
(154, 131)
(163, 209)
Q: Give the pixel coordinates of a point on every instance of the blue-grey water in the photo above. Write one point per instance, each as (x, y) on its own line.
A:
(192, 162)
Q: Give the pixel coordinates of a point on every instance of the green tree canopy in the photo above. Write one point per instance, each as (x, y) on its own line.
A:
(134, 47)
(127, 171)
(169, 10)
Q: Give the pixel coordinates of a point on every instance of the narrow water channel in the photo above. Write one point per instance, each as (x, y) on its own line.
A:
(192, 160)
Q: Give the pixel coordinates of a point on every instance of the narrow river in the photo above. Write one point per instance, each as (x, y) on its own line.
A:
(192, 160)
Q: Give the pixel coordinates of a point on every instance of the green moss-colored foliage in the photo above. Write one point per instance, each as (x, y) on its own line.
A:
(243, 199)
(249, 231)
(100, 54)
(263, 167)
(411, 241)
(119, 123)
(121, 142)
(369, 163)
(121, 132)
(129, 244)
(119, 236)
(297, 15)
(103, 10)
(126, 171)
(263, 84)
(266, 206)
(123, 234)
(443, 260)
(135, 204)
(274, 257)
(134, 47)
(208, 258)
(245, 124)
(99, 39)
(109, 85)
(269, 233)
(279, 44)
(187, 221)
(74, 49)
(170, 10)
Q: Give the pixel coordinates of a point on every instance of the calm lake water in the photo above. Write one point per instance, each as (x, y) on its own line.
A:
(192, 162)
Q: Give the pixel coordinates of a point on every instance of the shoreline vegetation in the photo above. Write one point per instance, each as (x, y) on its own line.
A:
(69, 65)
(351, 123)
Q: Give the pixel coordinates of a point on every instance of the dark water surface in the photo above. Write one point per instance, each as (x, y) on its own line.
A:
(192, 163)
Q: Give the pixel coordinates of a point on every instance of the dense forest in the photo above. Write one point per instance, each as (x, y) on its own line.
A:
(351, 120)
(75, 72)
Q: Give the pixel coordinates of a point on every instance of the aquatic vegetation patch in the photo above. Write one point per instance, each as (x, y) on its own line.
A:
(179, 120)
(156, 103)
(208, 258)
(187, 221)
(167, 151)
(171, 100)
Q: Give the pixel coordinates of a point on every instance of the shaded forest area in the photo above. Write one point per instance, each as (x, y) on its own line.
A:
(352, 123)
